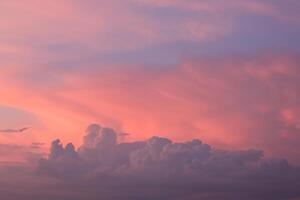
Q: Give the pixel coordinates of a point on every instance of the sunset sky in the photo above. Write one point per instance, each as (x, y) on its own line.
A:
(224, 72)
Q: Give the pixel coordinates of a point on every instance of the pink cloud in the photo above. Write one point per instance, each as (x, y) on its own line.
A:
(229, 8)
(53, 66)
(98, 27)
(230, 102)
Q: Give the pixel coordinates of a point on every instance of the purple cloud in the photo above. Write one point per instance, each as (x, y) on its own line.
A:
(161, 169)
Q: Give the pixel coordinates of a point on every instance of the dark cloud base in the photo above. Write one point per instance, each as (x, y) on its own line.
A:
(160, 169)
(157, 168)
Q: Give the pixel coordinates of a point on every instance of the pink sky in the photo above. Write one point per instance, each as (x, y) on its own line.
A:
(71, 63)
(225, 72)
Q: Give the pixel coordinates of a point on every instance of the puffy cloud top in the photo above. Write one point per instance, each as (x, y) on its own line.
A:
(97, 137)
(186, 170)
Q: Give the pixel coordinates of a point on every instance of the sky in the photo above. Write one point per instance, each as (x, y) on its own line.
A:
(206, 89)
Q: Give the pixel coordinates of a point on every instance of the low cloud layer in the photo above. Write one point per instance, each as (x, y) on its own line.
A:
(161, 169)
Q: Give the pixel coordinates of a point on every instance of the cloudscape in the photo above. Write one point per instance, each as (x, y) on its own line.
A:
(149, 99)
(156, 168)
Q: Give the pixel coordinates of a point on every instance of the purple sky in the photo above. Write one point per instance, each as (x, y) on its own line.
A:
(224, 72)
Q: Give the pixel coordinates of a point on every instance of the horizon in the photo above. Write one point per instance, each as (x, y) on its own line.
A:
(217, 82)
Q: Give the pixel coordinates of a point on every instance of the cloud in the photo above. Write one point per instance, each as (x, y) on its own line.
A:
(65, 31)
(16, 153)
(55, 53)
(230, 102)
(14, 130)
(78, 24)
(69, 63)
(186, 170)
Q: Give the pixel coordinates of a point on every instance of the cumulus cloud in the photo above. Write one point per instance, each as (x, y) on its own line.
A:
(232, 101)
(169, 170)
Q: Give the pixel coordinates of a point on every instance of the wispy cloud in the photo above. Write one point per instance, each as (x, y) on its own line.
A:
(14, 130)
(232, 101)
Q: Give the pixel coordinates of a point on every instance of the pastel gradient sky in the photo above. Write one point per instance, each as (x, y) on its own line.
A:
(150, 99)
(227, 72)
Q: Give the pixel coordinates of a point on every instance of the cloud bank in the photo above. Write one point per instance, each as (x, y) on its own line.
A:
(205, 67)
(230, 102)
(161, 169)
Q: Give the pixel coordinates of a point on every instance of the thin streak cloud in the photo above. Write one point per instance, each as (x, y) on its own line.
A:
(14, 130)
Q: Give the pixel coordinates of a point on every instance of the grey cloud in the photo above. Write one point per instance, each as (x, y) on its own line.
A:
(19, 153)
(161, 169)
(14, 130)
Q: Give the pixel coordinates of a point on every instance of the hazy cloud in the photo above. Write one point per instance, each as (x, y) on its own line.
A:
(185, 170)
(14, 130)
(37, 145)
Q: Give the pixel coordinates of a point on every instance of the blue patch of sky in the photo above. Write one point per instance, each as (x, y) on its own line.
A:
(251, 34)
